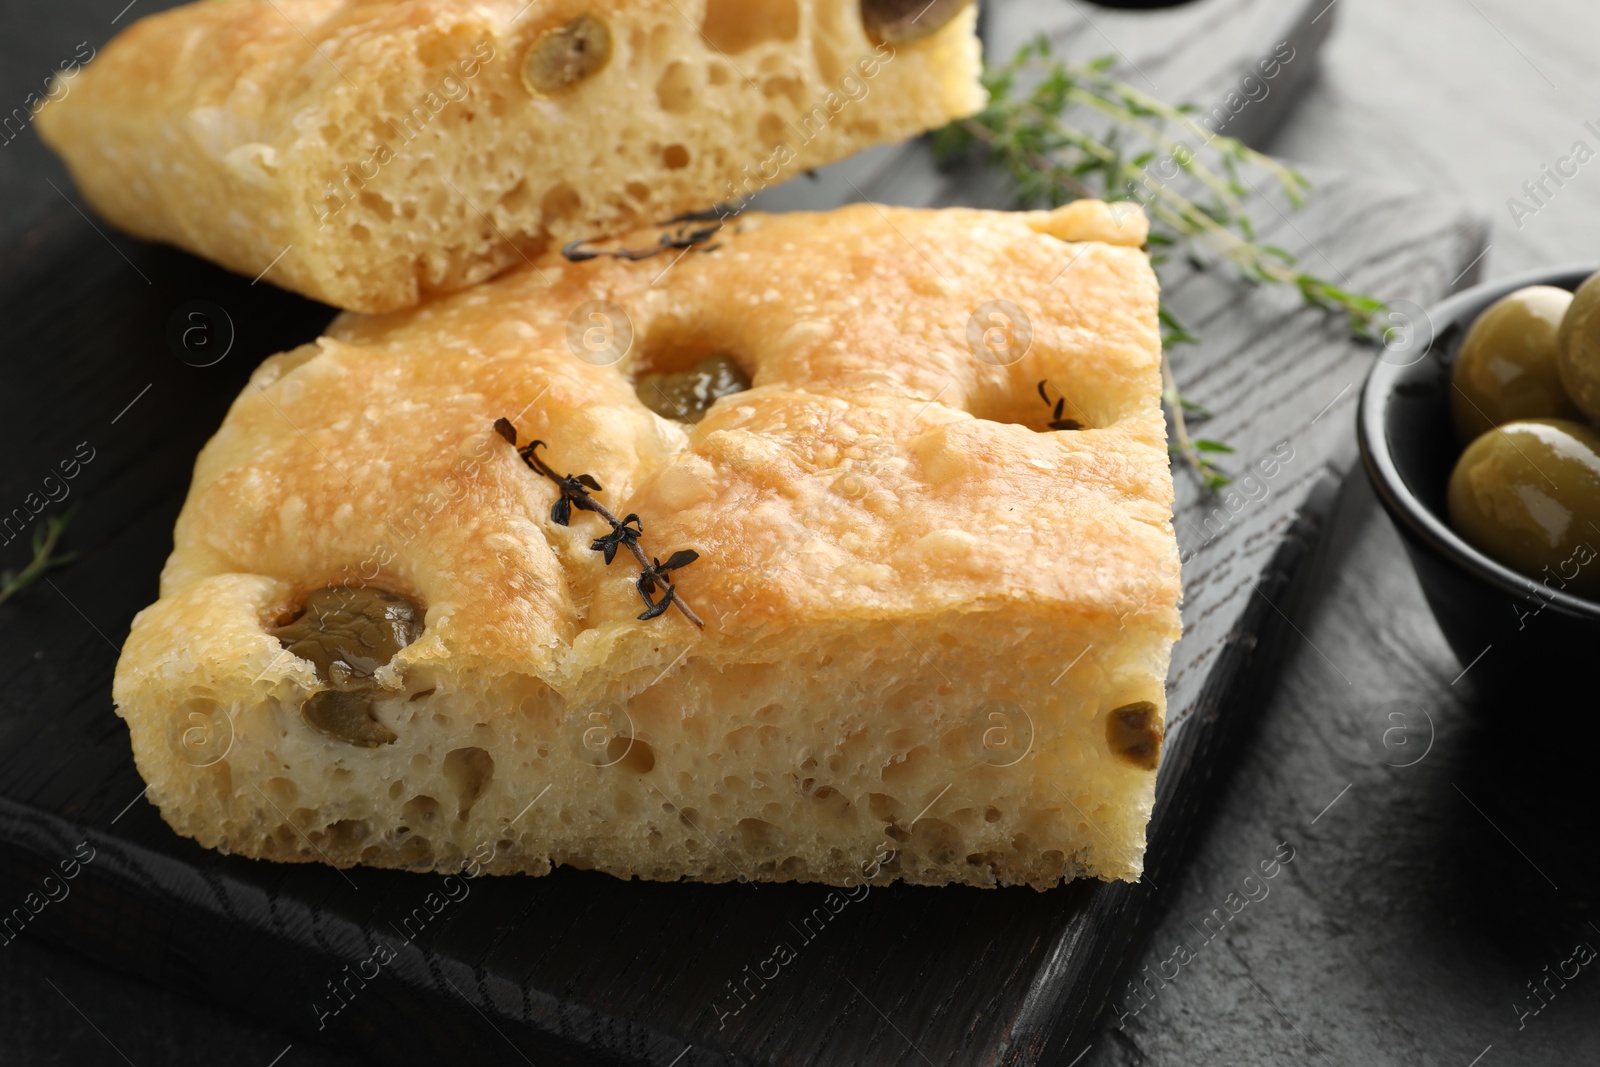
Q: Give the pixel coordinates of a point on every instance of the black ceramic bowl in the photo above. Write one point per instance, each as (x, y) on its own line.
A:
(1510, 632)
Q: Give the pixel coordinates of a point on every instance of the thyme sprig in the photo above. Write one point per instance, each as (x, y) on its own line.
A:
(575, 490)
(686, 233)
(45, 540)
(1026, 132)
(1056, 421)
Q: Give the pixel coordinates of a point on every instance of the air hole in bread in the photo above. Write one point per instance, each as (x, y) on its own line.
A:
(881, 805)
(936, 840)
(517, 200)
(771, 130)
(761, 838)
(378, 205)
(421, 810)
(560, 201)
(675, 92)
(469, 772)
(222, 780)
(415, 852)
(674, 157)
(342, 835)
(908, 766)
(661, 42)
(631, 755)
(282, 791)
(782, 86)
(735, 25)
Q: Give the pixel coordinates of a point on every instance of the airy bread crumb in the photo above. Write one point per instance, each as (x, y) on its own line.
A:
(374, 153)
(931, 620)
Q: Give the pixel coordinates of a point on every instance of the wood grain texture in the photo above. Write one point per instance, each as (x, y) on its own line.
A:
(578, 967)
(1416, 913)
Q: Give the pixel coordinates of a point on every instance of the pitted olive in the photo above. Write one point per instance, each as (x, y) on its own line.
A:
(903, 21)
(348, 633)
(1507, 368)
(1578, 349)
(1528, 494)
(566, 55)
(687, 395)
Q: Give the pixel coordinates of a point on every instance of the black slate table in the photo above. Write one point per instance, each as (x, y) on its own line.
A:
(1437, 870)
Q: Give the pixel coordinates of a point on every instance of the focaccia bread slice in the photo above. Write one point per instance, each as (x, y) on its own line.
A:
(937, 617)
(368, 153)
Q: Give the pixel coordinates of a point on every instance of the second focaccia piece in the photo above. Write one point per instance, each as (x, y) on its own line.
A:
(370, 152)
(938, 608)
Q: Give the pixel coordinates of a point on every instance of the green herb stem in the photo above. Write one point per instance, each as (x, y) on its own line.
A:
(45, 539)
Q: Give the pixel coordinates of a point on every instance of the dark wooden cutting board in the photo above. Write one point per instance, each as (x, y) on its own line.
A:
(581, 968)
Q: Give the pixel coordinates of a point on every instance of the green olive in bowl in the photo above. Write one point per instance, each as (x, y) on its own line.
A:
(1528, 494)
(1507, 366)
(1578, 349)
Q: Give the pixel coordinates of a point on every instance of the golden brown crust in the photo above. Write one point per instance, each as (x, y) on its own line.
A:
(883, 513)
(376, 151)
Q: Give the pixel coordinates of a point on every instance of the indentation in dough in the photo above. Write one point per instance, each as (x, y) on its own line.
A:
(469, 772)
(735, 25)
(688, 394)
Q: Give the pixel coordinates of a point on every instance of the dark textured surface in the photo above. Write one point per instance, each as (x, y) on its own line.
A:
(1395, 897)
